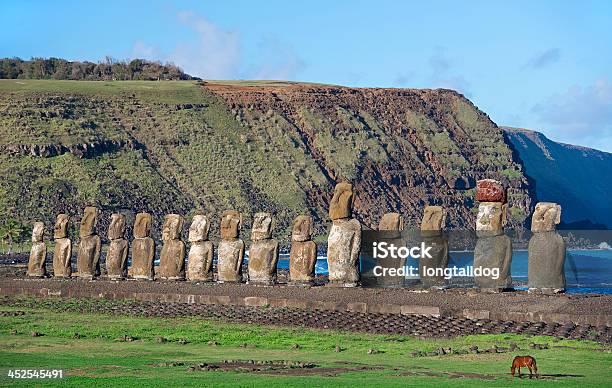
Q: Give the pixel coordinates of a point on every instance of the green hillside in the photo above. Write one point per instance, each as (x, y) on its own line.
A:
(182, 146)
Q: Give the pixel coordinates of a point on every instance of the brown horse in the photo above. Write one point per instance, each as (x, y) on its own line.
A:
(528, 361)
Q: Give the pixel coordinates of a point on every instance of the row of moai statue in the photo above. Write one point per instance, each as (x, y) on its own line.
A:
(493, 247)
(263, 252)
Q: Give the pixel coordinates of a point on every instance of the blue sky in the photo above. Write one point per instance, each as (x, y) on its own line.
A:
(545, 65)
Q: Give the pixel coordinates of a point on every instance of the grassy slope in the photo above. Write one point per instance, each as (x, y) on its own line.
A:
(96, 358)
(213, 157)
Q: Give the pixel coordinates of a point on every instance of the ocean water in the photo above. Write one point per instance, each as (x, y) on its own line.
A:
(586, 271)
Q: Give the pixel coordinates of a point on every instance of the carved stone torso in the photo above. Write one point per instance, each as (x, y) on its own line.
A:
(88, 257)
(143, 256)
(229, 264)
(116, 258)
(263, 257)
(62, 255)
(199, 267)
(343, 251)
(172, 260)
(439, 259)
(302, 261)
(36, 264)
(546, 261)
(493, 252)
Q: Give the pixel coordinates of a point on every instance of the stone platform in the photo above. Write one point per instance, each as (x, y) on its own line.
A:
(517, 306)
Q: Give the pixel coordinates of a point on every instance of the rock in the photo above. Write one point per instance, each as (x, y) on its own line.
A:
(172, 257)
(62, 255)
(373, 351)
(116, 257)
(490, 190)
(35, 334)
(142, 225)
(38, 252)
(263, 254)
(231, 222)
(337, 349)
(76, 335)
(89, 221)
(343, 247)
(213, 343)
(547, 251)
(61, 226)
(391, 221)
(341, 204)
(200, 258)
(295, 346)
(303, 254)
(88, 257)
(143, 248)
(160, 340)
(432, 235)
(231, 248)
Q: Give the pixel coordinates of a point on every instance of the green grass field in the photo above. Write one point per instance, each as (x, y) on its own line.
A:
(98, 358)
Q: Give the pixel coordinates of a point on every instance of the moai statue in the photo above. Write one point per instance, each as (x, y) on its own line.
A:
(38, 253)
(390, 229)
(172, 257)
(432, 235)
(88, 254)
(116, 257)
(143, 248)
(391, 222)
(344, 239)
(199, 267)
(493, 252)
(62, 253)
(231, 248)
(546, 251)
(303, 255)
(263, 254)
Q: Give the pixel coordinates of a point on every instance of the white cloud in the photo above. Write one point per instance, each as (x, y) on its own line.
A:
(213, 53)
(580, 115)
(278, 60)
(442, 75)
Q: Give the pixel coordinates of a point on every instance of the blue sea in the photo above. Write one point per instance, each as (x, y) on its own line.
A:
(586, 271)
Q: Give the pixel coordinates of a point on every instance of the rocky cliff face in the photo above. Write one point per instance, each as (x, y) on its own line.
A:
(576, 177)
(276, 147)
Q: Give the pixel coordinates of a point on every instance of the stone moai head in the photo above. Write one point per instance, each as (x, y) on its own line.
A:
(61, 226)
(341, 205)
(491, 216)
(89, 221)
(198, 231)
(231, 222)
(262, 227)
(545, 217)
(38, 232)
(173, 226)
(490, 190)
(391, 221)
(302, 228)
(434, 218)
(142, 225)
(116, 229)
